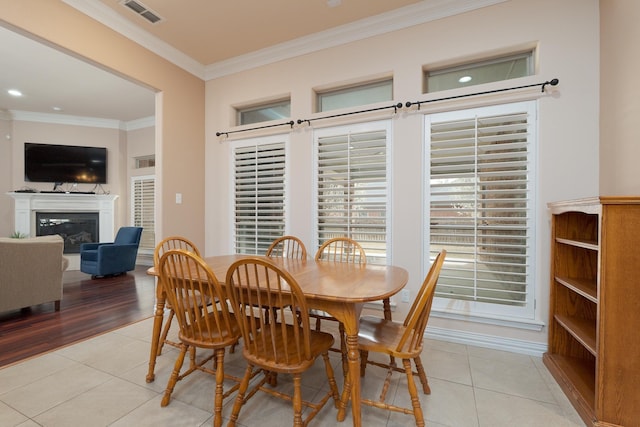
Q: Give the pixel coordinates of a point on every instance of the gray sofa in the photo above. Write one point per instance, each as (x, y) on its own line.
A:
(31, 271)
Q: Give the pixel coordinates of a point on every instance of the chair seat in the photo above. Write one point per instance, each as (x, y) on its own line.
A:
(383, 336)
(213, 338)
(321, 343)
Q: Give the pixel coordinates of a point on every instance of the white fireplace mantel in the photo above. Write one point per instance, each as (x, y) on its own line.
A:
(27, 204)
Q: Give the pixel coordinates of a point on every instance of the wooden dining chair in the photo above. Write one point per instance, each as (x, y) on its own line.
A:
(190, 285)
(287, 346)
(338, 249)
(172, 242)
(400, 340)
(287, 247)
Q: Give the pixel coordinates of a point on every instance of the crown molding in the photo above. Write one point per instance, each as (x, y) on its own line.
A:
(418, 13)
(96, 122)
(111, 19)
(145, 122)
(397, 19)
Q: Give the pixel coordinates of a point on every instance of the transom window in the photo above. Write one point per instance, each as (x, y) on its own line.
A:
(475, 73)
(353, 96)
(481, 190)
(277, 110)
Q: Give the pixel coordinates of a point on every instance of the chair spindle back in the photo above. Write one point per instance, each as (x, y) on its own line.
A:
(191, 286)
(287, 247)
(256, 288)
(342, 249)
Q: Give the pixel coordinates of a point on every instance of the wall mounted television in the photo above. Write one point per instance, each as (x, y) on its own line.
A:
(64, 163)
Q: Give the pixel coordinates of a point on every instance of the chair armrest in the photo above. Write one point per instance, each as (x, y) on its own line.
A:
(91, 246)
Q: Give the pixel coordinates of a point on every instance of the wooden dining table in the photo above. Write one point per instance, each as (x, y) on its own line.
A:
(340, 289)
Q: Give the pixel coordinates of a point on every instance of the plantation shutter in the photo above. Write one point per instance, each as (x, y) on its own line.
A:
(144, 208)
(259, 196)
(481, 204)
(353, 190)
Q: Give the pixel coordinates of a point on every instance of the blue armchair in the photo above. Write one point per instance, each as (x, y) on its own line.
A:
(108, 259)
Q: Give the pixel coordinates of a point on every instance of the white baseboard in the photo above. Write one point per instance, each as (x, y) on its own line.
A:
(488, 341)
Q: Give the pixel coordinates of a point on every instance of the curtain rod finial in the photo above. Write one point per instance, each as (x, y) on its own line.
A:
(552, 82)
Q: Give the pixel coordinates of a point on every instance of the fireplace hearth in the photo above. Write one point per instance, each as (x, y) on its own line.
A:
(75, 228)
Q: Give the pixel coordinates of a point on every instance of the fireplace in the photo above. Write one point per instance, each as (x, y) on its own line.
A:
(27, 205)
(75, 228)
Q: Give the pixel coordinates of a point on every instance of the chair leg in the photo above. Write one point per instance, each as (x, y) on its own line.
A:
(165, 332)
(343, 350)
(413, 392)
(387, 381)
(174, 376)
(237, 405)
(332, 379)
(344, 399)
(364, 356)
(297, 401)
(422, 375)
(218, 397)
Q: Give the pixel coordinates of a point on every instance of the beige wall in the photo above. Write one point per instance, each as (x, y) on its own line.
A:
(619, 100)
(50, 133)
(122, 147)
(566, 34)
(6, 169)
(179, 106)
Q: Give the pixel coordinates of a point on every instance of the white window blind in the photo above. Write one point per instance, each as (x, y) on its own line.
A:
(481, 207)
(143, 208)
(259, 186)
(353, 187)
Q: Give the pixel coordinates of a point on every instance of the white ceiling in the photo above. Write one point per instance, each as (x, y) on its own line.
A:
(205, 37)
(49, 78)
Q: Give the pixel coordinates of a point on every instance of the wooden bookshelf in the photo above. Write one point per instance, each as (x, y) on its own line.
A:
(594, 322)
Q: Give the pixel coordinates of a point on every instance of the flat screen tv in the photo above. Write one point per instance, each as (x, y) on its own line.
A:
(64, 163)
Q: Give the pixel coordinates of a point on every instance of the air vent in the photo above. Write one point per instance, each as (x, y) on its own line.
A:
(142, 10)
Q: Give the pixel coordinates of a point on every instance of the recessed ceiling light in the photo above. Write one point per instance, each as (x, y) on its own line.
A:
(464, 79)
(56, 108)
(334, 3)
(14, 92)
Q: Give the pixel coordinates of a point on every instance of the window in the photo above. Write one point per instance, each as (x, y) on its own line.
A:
(504, 68)
(481, 208)
(143, 209)
(355, 95)
(353, 184)
(264, 112)
(259, 194)
(145, 161)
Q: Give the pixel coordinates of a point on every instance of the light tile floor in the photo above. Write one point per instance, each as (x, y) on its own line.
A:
(101, 382)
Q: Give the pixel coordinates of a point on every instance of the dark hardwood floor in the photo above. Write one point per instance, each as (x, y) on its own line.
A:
(88, 307)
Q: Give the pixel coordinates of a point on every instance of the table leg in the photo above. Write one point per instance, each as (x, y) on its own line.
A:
(155, 335)
(351, 388)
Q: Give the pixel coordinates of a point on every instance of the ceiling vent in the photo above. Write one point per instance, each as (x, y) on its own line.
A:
(142, 10)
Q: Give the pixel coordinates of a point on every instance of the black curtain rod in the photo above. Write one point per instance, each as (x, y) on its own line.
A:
(551, 82)
(290, 123)
(394, 106)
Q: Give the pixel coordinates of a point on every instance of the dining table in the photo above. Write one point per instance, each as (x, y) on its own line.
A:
(338, 288)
